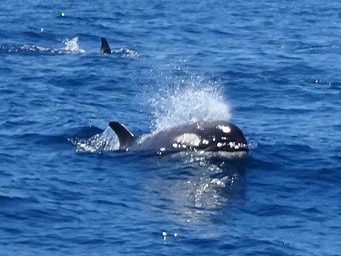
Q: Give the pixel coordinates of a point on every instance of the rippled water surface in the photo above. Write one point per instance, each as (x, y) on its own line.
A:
(272, 68)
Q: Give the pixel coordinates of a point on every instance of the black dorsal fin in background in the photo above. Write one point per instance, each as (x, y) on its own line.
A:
(105, 48)
(125, 137)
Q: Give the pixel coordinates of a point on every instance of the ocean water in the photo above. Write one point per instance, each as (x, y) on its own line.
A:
(270, 67)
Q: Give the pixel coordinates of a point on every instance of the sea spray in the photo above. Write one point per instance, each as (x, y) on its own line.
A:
(105, 141)
(188, 102)
(72, 45)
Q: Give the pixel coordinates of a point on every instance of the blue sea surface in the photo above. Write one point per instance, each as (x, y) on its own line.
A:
(271, 67)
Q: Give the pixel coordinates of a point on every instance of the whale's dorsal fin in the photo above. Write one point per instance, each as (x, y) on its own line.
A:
(125, 136)
(105, 48)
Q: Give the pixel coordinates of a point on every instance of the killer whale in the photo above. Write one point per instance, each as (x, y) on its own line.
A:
(105, 48)
(124, 52)
(215, 136)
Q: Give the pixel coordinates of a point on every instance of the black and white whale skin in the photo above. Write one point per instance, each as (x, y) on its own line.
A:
(216, 136)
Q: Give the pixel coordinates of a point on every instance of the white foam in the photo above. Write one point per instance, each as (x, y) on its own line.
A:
(106, 141)
(72, 45)
(126, 52)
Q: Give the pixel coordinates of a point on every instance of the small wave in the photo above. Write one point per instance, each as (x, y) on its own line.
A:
(125, 52)
(24, 49)
(39, 139)
(10, 200)
(70, 46)
(105, 141)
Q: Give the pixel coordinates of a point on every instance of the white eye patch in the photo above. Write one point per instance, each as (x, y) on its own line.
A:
(224, 128)
(188, 139)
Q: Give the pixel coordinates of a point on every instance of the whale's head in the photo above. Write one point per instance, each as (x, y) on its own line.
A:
(210, 136)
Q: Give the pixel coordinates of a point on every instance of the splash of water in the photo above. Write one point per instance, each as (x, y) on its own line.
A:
(188, 102)
(72, 45)
(105, 141)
